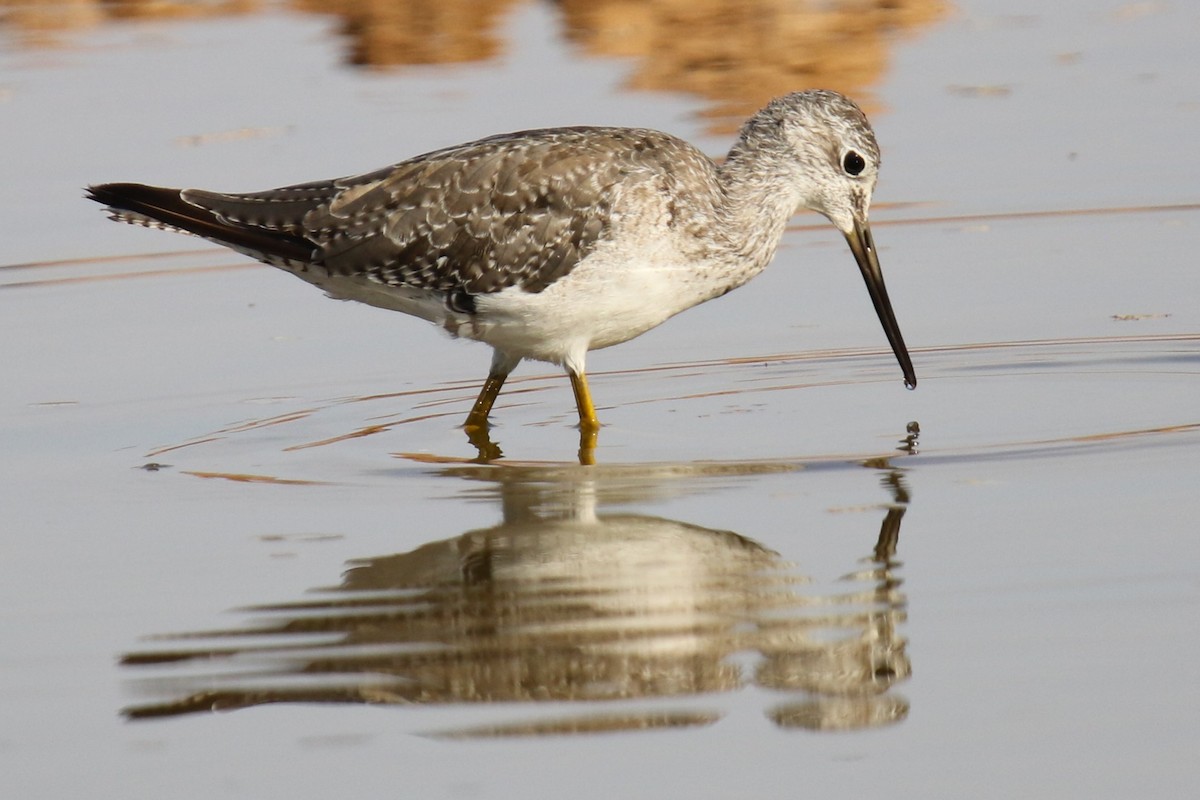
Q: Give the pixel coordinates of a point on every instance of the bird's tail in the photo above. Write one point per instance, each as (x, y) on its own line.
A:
(158, 207)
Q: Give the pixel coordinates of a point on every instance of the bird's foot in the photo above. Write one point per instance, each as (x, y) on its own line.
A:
(481, 440)
(588, 434)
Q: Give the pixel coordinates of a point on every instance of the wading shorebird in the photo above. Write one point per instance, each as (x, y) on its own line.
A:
(548, 243)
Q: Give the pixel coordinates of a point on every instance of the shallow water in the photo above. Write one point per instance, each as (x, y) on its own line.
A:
(223, 491)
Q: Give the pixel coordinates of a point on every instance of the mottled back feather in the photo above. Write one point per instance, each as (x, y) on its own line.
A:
(520, 209)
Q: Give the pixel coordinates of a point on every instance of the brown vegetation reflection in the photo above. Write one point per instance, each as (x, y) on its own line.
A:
(48, 24)
(740, 53)
(735, 53)
(389, 33)
(559, 602)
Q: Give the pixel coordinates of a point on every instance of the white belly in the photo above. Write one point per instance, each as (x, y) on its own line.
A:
(604, 301)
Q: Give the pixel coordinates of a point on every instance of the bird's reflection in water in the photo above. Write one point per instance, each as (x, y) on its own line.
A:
(560, 602)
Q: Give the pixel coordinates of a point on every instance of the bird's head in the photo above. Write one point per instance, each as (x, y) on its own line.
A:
(823, 143)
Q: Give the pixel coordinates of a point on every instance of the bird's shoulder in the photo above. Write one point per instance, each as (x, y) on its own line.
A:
(516, 209)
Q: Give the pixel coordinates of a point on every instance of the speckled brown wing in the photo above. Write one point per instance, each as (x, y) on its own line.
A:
(518, 209)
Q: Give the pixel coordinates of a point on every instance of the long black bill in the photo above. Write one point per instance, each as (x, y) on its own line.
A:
(863, 247)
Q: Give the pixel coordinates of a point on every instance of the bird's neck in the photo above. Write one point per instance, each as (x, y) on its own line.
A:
(755, 205)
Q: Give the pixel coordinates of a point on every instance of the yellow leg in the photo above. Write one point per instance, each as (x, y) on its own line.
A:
(478, 418)
(583, 401)
(589, 426)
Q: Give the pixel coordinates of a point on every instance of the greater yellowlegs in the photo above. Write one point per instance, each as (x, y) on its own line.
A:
(549, 243)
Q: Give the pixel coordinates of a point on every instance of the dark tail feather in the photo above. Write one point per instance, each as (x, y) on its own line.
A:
(157, 206)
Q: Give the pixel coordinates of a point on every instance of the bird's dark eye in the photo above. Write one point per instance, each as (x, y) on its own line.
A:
(853, 163)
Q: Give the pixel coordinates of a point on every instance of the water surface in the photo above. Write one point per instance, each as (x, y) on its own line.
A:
(247, 551)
